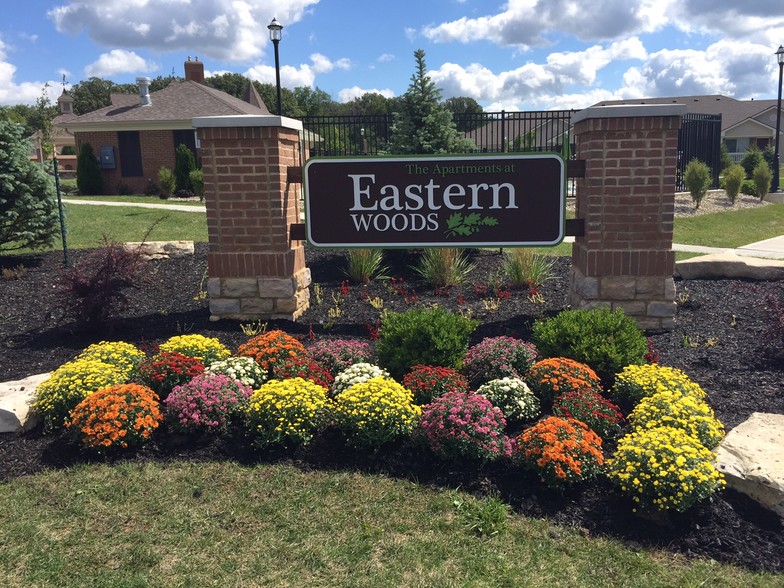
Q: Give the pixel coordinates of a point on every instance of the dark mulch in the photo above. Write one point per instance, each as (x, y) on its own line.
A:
(718, 340)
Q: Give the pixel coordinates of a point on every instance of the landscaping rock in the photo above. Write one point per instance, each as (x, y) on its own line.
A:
(751, 457)
(15, 399)
(162, 249)
(730, 265)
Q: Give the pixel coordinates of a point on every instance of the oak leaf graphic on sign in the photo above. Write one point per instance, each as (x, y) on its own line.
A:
(457, 224)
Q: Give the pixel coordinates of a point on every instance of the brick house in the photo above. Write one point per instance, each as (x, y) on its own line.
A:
(138, 134)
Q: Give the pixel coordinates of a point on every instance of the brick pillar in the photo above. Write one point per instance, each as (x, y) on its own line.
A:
(627, 198)
(255, 271)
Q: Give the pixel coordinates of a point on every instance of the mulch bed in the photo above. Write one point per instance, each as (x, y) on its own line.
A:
(718, 341)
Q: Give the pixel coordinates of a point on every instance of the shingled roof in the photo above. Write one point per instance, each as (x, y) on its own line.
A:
(174, 107)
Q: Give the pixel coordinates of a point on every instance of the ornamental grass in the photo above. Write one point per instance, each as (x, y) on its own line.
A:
(602, 416)
(124, 356)
(271, 348)
(554, 376)
(563, 451)
(513, 397)
(288, 411)
(464, 425)
(672, 408)
(118, 417)
(498, 357)
(428, 382)
(205, 404)
(664, 468)
(375, 412)
(205, 349)
(68, 385)
(635, 382)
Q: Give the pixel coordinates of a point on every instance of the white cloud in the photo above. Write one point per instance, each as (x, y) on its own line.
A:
(228, 30)
(118, 61)
(384, 57)
(293, 77)
(349, 94)
(12, 92)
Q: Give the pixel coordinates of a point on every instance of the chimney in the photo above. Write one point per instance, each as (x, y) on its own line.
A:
(144, 91)
(194, 70)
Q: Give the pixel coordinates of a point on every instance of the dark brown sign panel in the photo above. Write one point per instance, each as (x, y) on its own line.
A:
(454, 201)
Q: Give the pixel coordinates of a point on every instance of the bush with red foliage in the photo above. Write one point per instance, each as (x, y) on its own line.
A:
(428, 382)
(302, 366)
(164, 371)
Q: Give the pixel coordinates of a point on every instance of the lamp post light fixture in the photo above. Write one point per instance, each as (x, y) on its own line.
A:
(776, 161)
(275, 34)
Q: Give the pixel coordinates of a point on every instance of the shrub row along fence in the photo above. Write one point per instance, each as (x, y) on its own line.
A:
(501, 132)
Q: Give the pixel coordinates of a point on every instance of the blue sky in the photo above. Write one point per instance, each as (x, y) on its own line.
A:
(515, 55)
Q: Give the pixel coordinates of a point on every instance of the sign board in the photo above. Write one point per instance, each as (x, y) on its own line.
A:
(450, 201)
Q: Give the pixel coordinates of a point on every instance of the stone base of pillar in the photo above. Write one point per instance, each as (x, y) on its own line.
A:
(259, 298)
(650, 300)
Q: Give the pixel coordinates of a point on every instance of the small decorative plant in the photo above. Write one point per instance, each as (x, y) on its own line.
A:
(117, 417)
(288, 411)
(244, 369)
(524, 267)
(355, 374)
(636, 382)
(443, 267)
(671, 408)
(498, 357)
(338, 354)
(205, 349)
(464, 425)
(271, 348)
(602, 416)
(302, 366)
(422, 337)
(124, 356)
(557, 375)
(375, 412)
(206, 403)
(562, 451)
(68, 385)
(164, 371)
(513, 397)
(365, 265)
(428, 382)
(664, 468)
(697, 178)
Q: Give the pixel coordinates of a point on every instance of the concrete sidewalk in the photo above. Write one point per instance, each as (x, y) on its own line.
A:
(179, 207)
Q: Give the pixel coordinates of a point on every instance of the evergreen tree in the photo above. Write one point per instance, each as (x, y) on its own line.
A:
(184, 164)
(28, 202)
(88, 172)
(424, 125)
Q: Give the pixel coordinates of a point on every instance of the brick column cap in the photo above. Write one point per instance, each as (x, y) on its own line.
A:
(247, 120)
(629, 111)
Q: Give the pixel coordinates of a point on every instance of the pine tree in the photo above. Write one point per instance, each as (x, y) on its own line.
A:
(424, 125)
(184, 164)
(88, 172)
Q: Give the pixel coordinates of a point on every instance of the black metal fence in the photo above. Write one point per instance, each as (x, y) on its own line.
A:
(700, 138)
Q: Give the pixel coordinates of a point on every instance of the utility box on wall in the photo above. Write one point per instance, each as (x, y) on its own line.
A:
(107, 157)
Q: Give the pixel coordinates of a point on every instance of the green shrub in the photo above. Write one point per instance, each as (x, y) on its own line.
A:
(376, 411)
(166, 181)
(762, 177)
(606, 340)
(88, 172)
(664, 468)
(748, 187)
(444, 267)
(751, 160)
(725, 158)
(733, 181)
(422, 336)
(197, 181)
(697, 178)
(184, 164)
(525, 268)
(364, 265)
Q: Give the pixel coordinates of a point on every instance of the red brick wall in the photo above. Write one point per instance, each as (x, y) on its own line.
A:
(627, 196)
(249, 204)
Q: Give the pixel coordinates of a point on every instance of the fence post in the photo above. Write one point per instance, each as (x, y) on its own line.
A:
(255, 270)
(627, 199)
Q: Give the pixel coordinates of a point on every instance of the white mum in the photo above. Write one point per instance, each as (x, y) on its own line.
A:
(513, 397)
(357, 373)
(244, 369)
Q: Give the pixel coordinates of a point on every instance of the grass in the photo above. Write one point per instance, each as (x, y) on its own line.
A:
(732, 228)
(223, 524)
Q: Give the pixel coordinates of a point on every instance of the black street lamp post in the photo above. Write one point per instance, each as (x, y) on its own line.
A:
(275, 29)
(780, 59)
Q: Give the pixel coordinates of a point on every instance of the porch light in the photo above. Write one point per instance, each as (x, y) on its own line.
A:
(275, 34)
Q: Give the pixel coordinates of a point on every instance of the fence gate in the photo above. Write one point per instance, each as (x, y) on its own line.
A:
(699, 137)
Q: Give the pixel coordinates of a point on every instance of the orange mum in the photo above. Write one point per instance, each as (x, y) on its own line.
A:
(270, 349)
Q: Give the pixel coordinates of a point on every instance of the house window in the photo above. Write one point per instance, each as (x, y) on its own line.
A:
(130, 154)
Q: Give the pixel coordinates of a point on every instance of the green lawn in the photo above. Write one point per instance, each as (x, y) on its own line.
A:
(731, 229)
(224, 524)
